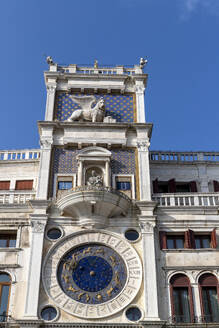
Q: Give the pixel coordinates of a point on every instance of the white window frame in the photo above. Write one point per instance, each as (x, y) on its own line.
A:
(57, 175)
(128, 176)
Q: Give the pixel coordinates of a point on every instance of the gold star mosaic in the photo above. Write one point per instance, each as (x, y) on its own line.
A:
(120, 107)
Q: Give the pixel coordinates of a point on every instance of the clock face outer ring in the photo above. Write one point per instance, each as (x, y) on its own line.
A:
(92, 311)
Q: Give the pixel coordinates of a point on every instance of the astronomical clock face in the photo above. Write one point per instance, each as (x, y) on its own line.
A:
(92, 275)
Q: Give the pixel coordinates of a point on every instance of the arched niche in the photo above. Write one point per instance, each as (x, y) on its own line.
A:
(94, 159)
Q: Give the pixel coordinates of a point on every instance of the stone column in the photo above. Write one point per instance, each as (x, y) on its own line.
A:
(196, 302)
(80, 173)
(50, 101)
(38, 223)
(150, 272)
(144, 171)
(107, 174)
(140, 107)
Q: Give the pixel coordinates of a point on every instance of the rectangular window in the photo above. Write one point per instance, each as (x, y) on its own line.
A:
(24, 185)
(4, 185)
(202, 241)
(175, 241)
(64, 185)
(123, 185)
(216, 186)
(173, 186)
(8, 240)
(189, 239)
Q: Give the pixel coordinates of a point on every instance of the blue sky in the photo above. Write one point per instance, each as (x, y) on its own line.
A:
(180, 39)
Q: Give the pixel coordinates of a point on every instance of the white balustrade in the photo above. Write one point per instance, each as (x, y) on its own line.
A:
(17, 155)
(99, 70)
(15, 197)
(161, 156)
(187, 199)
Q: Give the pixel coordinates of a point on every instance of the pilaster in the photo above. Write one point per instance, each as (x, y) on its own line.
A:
(140, 103)
(46, 142)
(147, 223)
(38, 223)
(144, 170)
(50, 101)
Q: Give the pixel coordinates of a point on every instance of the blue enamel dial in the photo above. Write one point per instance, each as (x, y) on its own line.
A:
(92, 273)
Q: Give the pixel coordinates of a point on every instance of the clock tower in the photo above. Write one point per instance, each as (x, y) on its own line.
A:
(93, 245)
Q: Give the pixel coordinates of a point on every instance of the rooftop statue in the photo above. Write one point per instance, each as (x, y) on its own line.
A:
(87, 113)
(143, 62)
(49, 60)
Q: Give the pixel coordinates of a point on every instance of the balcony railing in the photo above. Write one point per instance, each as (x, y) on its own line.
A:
(187, 199)
(16, 197)
(178, 319)
(19, 155)
(94, 188)
(183, 157)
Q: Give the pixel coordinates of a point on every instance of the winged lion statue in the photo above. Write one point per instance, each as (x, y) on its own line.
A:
(87, 112)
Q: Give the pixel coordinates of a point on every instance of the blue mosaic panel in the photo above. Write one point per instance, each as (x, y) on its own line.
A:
(120, 107)
(65, 161)
(123, 161)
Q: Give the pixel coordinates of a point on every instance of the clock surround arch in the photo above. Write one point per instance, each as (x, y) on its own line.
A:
(86, 311)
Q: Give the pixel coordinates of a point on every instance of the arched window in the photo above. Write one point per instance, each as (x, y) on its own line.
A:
(209, 291)
(5, 286)
(181, 299)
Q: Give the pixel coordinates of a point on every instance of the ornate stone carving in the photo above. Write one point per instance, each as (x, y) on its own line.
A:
(95, 180)
(147, 227)
(87, 113)
(37, 226)
(143, 145)
(51, 89)
(45, 144)
(109, 119)
(139, 89)
(129, 83)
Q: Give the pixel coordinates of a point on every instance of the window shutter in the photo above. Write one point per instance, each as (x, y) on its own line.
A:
(163, 240)
(155, 186)
(191, 303)
(187, 243)
(172, 185)
(216, 186)
(4, 185)
(24, 185)
(193, 186)
(191, 238)
(213, 238)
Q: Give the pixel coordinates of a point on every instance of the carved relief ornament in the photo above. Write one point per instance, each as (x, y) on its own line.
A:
(51, 89)
(45, 143)
(38, 226)
(143, 145)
